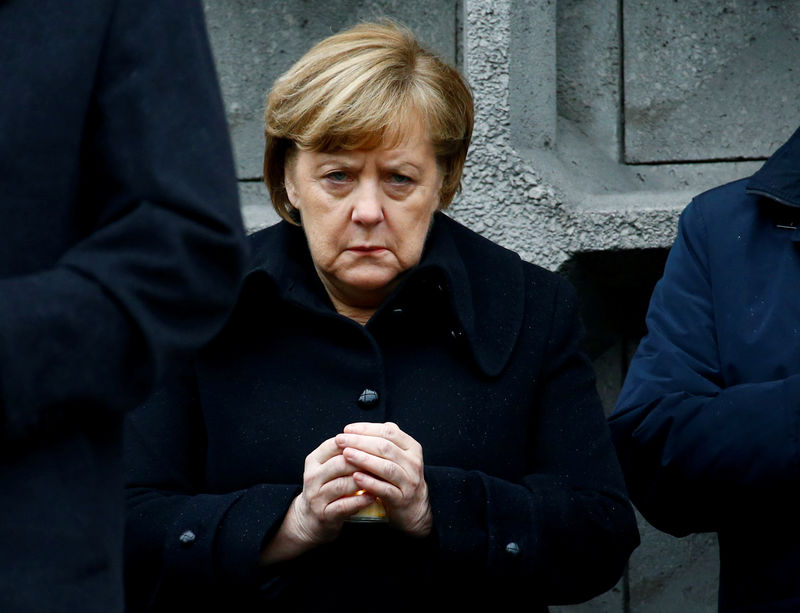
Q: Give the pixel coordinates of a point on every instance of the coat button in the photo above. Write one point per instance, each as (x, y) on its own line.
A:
(187, 538)
(512, 549)
(368, 399)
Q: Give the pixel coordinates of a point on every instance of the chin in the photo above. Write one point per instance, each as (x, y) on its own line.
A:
(372, 282)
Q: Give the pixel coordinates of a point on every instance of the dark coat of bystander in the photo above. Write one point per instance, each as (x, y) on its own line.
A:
(708, 422)
(121, 246)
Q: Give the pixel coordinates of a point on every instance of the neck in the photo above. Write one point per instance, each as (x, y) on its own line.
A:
(358, 308)
(358, 314)
(356, 305)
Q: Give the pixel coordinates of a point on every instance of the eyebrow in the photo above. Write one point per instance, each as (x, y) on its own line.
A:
(331, 159)
(334, 157)
(344, 158)
(401, 166)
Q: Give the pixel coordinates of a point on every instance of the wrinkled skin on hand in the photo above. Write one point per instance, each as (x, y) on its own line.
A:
(378, 458)
(316, 515)
(390, 466)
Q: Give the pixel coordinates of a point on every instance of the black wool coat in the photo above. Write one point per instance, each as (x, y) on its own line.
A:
(121, 245)
(476, 355)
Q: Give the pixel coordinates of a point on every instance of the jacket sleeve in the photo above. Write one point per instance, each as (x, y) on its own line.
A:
(183, 540)
(697, 453)
(160, 266)
(567, 529)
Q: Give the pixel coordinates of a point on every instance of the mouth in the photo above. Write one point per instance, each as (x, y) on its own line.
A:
(366, 249)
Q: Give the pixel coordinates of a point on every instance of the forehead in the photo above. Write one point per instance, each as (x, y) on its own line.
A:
(384, 131)
(410, 144)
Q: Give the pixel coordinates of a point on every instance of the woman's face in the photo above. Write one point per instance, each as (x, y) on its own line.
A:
(365, 213)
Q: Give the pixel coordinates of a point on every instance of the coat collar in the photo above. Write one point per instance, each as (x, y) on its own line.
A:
(483, 282)
(779, 177)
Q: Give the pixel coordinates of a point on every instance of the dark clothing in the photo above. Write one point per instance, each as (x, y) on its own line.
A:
(708, 420)
(475, 355)
(122, 245)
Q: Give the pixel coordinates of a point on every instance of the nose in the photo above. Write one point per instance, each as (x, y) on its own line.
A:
(368, 207)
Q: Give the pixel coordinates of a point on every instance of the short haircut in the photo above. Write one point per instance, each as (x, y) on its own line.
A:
(360, 89)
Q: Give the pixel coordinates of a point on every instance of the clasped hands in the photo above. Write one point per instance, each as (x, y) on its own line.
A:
(378, 458)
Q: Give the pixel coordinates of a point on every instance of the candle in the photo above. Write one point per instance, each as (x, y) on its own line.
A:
(374, 512)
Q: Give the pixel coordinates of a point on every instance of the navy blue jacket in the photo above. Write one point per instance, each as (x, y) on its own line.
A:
(708, 422)
(476, 355)
(121, 246)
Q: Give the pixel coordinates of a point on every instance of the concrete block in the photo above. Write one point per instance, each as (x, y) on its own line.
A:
(670, 574)
(613, 601)
(254, 41)
(532, 73)
(588, 66)
(709, 80)
(257, 210)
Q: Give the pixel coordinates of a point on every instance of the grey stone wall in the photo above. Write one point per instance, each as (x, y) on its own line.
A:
(596, 122)
(700, 78)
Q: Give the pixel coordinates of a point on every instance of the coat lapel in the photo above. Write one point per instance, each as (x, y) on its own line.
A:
(485, 283)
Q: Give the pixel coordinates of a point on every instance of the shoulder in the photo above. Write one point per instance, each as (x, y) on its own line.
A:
(723, 196)
(483, 253)
(271, 244)
(541, 282)
(511, 298)
(267, 254)
(265, 236)
(551, 303)
(473, 247)
(500, 267)
(721, 208)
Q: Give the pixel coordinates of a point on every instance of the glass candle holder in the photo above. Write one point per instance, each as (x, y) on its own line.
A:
(372, 513)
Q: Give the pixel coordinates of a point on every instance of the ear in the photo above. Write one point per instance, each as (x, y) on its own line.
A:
(290, 186)
(439, 187)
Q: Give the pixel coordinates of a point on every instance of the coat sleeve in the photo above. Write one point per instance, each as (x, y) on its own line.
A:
(567, 529)
(161, 265)
(183, 540)
(697, 453)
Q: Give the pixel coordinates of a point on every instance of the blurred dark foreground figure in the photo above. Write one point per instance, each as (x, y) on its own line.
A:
(377, 347)
(121, 245)
(708, 422)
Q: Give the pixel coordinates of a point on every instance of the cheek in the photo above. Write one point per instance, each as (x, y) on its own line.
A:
(414, 235)
(323, 240)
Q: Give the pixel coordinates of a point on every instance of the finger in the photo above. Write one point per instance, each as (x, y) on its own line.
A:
(336, 488)
(386, 491)
(348, 505)
(379, 467)
(325, 485)
(324, 452)
(387, 430)
(374, 445)
(333, 468)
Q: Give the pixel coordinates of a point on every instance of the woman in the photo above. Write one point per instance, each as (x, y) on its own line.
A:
(377, 347)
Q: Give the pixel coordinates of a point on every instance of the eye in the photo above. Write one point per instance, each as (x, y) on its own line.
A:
(337, 176)
(399, 179)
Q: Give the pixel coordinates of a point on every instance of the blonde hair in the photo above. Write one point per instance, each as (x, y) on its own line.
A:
(362, 88)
